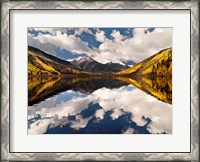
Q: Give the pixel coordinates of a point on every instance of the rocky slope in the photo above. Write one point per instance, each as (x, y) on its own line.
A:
(91, 65)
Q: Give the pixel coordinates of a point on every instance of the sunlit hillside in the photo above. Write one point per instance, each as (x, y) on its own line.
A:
(159, 64)
(40, 62)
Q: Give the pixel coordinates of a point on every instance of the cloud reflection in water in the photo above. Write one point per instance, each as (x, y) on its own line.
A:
(120, 110)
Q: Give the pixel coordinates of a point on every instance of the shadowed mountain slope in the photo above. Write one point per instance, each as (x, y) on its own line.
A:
(91, 65)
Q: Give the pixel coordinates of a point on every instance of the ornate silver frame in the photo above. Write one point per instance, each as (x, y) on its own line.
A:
(6, 6)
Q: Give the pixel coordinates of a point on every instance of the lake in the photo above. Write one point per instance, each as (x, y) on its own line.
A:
(99, 105)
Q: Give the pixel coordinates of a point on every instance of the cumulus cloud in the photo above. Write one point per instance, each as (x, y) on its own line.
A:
(80, 122)
(116, 113)
(100, 36)
(129, 131)
(118, 49)
(117, 36)
(49, 43)
(50, 30)
(140, 105)
(100, 114)
(41, 126)
(136, 102)
(45, 46)
(79, 31)
(136, 48)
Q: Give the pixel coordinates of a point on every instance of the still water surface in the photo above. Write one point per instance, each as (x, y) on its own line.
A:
(99, 106)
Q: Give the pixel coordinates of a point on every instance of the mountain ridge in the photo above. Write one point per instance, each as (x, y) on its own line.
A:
(159, 64)
(39, 62)
(91, 65)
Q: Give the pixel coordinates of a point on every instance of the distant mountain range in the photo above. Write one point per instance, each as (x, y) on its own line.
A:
(91, 65)
(39, 62)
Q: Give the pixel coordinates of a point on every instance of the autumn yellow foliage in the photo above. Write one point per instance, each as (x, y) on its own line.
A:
(159, 64)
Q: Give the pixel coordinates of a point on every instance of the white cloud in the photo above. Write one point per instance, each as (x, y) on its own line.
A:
(80, 122)
(135, 48)
(129, 131)
(49, 43)
(79, 31)
(116, 113)
(100, 114)
(140, 105)
(54, 30)
(41, 126)
(100, 36)
(119, 49)
(46, 47)
(117, 36)
(50, 30)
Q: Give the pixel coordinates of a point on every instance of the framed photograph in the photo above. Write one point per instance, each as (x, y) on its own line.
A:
(100, 80)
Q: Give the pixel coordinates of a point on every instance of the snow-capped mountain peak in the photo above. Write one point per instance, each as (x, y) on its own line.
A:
(116, 62)
(83, 59)
(91, 65)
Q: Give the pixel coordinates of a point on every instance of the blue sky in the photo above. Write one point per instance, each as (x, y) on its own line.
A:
(122, 45)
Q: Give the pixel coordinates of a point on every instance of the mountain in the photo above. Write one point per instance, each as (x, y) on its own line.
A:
(160, 64)
(116, 67)
(91, 65)
(40, 62)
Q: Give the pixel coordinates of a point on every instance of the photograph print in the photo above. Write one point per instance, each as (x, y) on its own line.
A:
(99, 80)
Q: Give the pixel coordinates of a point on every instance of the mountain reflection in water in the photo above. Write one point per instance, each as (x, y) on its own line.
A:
(63, 105)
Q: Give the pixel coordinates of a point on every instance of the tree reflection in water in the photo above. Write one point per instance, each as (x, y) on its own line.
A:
(99, 105)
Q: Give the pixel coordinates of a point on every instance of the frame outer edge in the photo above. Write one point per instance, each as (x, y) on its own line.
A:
(195, 80)
(5, 80)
